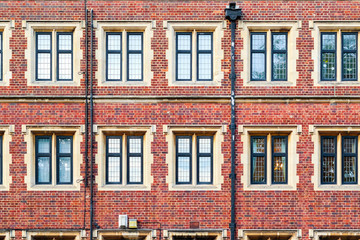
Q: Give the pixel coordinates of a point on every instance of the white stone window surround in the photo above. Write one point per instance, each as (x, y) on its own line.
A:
(31, 27)
(30, 234)
(193, 233)
(6, 132)
(171, 131)
(29, 132)
(316, 234)
(102, 27)
(6, 29)
(293, 132)
(292, 28)
(5, 234)
(217, 28)
(335, 130)
(122, 234)
(116, 130)
(246, 234)
(316, 28)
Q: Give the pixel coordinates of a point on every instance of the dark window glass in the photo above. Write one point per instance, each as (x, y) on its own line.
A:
(349, 160)
(113, 56)
(135, 159)
(258, 160)
(43, 159)
(183, 159)
(114, 159)
(279, 159)
(328, 56)
(64, 159)
(349, 56)
(204, 159)
(1, 56)
(279, 56)
(43, 56)
(64, 56)
(183, 56)
(135, 56)
(328, 159)
(258, 56)
(204, 56)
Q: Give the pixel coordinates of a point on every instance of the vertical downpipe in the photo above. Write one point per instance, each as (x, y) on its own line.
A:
(91, 128)
(232, 13)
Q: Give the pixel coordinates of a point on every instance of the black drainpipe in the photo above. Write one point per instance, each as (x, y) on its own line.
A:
(91, 128)
(232, 14)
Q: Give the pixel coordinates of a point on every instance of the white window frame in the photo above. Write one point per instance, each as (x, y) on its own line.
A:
(6, 28)
(316, 234)
(293, 234)
(293, 132)
(100, 158)
(171, 131)
(6, 132)
(30, 131)
(215, 27)
(147, 28)
(292, 28)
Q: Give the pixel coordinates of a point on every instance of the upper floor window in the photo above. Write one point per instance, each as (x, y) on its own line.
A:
(278, 163)
(53, 151)
(115, 57)
(130, 158)
(63, 64)
(348, 157)
(278, 52)
(186, 154)
(347, 51)
(203, 64)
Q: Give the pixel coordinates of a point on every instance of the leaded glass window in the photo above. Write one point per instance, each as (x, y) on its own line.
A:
(349, 159)
(135, 56)
(43, 56)
(258, 160)
(64, 56)
(349, 56)
(279, 159)
(258, 56)
(64, 159)
(328, 160)
(113, 56)
(279, 56)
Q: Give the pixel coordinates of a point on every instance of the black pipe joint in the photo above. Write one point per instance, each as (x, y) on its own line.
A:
(232, 13)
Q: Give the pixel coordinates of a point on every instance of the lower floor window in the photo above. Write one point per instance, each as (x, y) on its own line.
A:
(278, 156)
(53, 151)
(330, 157)
(124, 151)
(185, 155)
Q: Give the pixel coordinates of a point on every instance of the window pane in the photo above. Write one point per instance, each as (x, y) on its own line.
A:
(328, 145)
(114, 66)
(43, 145)
(114, 145)
(0, 65)
(184, 42)
(258, 42)
(183, 145)
(44, 42)
(183, 169)
(258, 145)
(279, 145)
(43, 164)
(65, 66)
(135, 169)
(64, 169)
(0, 42)
(64, 145)
(114, 42)
(349, 66)
(205, 66)
(114, 174)
(258, 66)
(204, 145)
(135, 42)
(279, 42)
(349, 169)
(328, 169)
(183, 65)
(279, 169)
(205, 168)
(279, 65)
(349, 42)
(328, 66)
(65, 42)
(135, 65)
(43, 66)
(204, 42)
(328, 41)
(258, 169)
(135, 145)
(349, 145)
